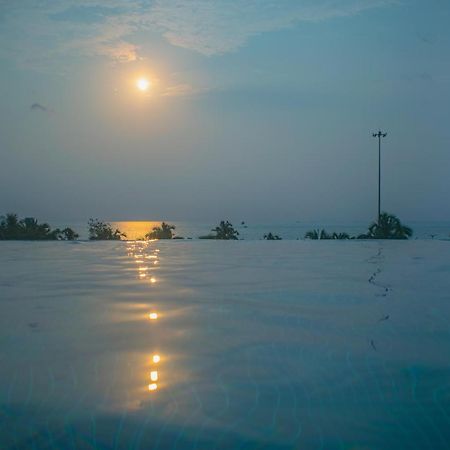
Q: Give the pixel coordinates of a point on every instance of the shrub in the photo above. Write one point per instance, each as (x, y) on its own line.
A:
(322, 234)
(272, 237)
(69, 235)
(162, 232)
(102, 231)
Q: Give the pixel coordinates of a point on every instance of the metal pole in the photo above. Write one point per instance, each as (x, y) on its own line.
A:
(379, 135)
(379, 177)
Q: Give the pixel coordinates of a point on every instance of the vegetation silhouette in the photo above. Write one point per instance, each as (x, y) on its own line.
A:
(224, 231)
(322, 234)
(272, 237)
(162, 232)
(69, 234)
(102, 231)
(13, 228)
(388, 227)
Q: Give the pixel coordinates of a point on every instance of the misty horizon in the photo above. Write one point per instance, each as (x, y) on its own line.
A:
(246, 112)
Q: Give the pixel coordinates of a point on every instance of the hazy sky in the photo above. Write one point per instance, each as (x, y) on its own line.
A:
(259, 109)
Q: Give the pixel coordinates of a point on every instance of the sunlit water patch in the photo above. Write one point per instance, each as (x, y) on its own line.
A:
(225, 345)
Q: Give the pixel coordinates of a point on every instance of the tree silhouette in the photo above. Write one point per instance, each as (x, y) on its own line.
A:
(162, 232)
(69, 235)
(272, 237)
(388, 227)
(340, 236)
(102, 231)
(224, 231)
(322, 234)
(317, 235)
(11, 228)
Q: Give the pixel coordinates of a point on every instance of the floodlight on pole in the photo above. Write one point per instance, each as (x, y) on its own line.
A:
(379, 135)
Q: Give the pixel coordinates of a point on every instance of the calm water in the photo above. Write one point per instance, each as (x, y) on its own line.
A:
(255, 231)
(225, 345)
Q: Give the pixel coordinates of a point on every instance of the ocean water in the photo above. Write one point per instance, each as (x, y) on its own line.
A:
(225, 345)
(256, 231)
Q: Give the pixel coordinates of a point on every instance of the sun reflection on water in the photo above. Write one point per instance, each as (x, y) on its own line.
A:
(140, 252)
(154, 375)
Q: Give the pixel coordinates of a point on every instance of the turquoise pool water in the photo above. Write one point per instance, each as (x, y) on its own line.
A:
(225, 345)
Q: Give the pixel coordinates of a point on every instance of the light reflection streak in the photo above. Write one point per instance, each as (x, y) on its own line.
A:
(154, 375)
(137, 251)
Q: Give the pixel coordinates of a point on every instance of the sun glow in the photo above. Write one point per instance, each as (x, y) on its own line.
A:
(143, 84)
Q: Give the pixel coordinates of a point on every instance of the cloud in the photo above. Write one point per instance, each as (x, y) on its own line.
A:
(182, 90)
(41, 32)
(221, 26)
(38, 107)
(86, 14)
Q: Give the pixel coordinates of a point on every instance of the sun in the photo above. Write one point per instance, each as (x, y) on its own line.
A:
(143, 84)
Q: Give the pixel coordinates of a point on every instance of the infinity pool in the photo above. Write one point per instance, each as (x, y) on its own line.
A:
(225, 345)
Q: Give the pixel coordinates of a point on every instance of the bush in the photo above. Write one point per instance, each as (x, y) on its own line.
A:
(162, 232)
(208, 236)
(272, 237)
(102, 231)
(322, 234)
(69, 235)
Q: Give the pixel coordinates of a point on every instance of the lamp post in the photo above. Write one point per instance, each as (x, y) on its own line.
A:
(379, 135)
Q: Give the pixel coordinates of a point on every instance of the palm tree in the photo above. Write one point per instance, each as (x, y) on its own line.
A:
(11, 228)
(322, 234)
(313, 234)
(388, 227)
(317, 235)
(31, 229)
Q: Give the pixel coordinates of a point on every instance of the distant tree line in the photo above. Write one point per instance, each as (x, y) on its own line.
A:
(388, 227)
(13, 228)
